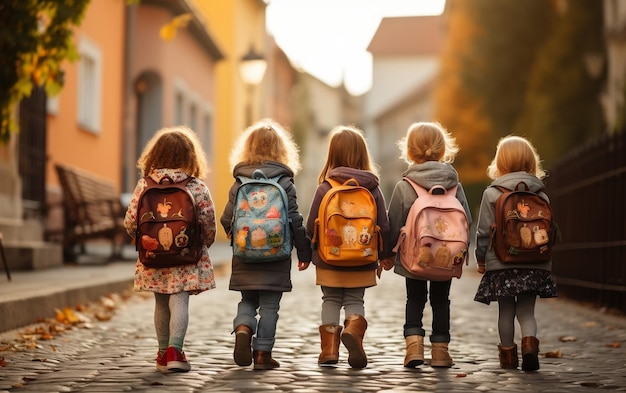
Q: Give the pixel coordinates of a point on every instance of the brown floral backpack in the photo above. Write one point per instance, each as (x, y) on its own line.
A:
(524, 229)
(168, 233)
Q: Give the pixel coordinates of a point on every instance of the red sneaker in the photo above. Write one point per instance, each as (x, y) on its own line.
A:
(176, 360)
(161, 363)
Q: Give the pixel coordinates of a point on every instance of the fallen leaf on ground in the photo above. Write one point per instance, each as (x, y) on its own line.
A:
(554, 354)
(3, 362)
(615, 344)
(566, 339)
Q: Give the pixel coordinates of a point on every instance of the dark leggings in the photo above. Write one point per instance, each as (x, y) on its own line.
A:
(416, 296)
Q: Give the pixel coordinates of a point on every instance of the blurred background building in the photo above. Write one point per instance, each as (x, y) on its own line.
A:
(213, 66)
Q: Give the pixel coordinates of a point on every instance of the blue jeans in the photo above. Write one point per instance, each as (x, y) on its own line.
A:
(416, 295)
(268, 304)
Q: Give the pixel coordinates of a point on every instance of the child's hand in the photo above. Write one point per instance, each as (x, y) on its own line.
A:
(388, 262)
(480, 268)
(303, 265)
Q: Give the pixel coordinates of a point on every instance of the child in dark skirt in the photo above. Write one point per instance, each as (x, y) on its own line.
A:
(515, 286)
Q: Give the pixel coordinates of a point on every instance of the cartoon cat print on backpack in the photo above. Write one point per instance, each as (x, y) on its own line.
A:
(260, 228)
(168, 232)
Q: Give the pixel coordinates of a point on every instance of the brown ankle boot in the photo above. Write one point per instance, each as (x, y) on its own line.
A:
(414, 351)
(243, 352)
(440, 356)
(329, 337)
(508, 356)
(530, 353)
(263, 360)
(352, 338)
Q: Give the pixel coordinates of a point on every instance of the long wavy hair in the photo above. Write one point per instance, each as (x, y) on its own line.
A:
(175, 147)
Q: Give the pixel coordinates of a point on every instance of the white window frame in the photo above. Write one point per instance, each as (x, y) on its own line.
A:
(89, 86)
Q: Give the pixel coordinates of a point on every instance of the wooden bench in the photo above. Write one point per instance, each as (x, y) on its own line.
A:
(91, 210)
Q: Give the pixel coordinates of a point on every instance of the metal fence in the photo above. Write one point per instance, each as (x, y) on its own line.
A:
(587, 190)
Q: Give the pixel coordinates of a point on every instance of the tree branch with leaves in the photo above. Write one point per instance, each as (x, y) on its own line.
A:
(35, 39)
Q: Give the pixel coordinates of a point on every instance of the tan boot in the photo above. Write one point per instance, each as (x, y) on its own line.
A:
(414, 351)
(243, 352)
(329, 337)
(508, 357)
(440, 356)
(530, 353)
(263, 360)
(352, 338)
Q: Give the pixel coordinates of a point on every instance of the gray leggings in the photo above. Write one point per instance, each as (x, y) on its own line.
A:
(522, 307)
(333, 299)
(171, 317)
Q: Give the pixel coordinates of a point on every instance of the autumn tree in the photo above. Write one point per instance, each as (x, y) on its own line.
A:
(35, 38)
(521, 67)
(486, 66)
(562, 106)
(456, 108)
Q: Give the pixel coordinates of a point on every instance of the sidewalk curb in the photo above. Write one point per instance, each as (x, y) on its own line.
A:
(28, 310)
(36, 294)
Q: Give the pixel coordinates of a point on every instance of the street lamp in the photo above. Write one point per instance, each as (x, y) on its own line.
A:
(252, 69)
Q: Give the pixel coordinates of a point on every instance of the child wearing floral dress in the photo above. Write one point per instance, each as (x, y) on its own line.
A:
(267, 146)
(515, 286)
(174, 152)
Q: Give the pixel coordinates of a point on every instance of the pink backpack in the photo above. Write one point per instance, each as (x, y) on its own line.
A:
(434, 241)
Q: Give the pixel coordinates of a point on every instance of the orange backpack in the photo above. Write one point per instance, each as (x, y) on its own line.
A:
(346, 231)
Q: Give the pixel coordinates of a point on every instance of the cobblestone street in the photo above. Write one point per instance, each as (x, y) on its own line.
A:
(118, 355)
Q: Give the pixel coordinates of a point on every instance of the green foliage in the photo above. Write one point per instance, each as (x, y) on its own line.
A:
(35, 38)
(562, 106)
(514, 66)
(510, 33)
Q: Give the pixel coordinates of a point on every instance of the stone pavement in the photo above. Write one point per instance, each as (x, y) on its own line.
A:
(118, 355)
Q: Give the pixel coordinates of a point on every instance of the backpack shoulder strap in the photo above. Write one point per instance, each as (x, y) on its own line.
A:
(500, 188)
(332, 182)
(419, 190)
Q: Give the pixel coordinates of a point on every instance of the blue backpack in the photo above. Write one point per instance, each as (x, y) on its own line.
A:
(261, 230)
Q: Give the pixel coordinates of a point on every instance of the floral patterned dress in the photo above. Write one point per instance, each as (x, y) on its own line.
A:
(192, 278)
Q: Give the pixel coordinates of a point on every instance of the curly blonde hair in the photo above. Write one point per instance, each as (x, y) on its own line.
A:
(347, 147)
(427, 141)
(175, 147)
(515, 154)
(266, 141)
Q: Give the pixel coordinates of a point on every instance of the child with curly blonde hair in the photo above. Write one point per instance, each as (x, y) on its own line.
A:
(268, 147)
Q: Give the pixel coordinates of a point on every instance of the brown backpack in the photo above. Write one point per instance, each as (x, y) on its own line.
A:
(168, 233)
(524, 230)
